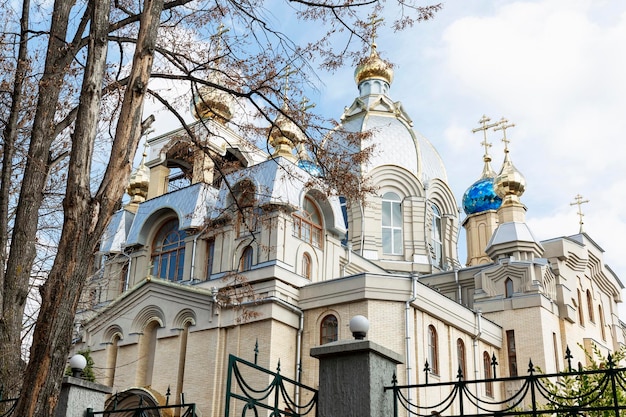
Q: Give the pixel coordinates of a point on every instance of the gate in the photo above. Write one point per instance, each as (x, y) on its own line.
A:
(138, 402)
(250, 388)
(596, 392)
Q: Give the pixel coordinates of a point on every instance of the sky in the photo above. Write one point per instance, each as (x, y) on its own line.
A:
(555, 68)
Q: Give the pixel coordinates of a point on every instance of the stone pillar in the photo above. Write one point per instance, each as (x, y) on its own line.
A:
(353, 374)
(77, 395)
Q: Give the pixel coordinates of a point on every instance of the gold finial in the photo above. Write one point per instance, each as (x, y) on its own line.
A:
(487, 171)
(579, 202)
(503, 126)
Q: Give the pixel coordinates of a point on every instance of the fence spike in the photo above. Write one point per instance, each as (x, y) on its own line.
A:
(494, 364)
(167, 395)
(531, 367)
(256, 351)
(569, 357)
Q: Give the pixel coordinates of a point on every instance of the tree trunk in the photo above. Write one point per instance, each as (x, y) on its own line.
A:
(86, 217)
(22, 250)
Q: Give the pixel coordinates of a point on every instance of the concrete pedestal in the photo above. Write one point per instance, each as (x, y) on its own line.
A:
(353, 375)
(77, 395)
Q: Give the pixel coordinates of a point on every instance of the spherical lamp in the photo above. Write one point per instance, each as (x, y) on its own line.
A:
(359, 325)
(77, 364)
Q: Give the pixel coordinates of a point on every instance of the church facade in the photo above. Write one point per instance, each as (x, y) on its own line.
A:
(214, 255)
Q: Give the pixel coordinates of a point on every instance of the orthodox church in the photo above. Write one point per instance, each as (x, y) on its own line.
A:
(252, 251)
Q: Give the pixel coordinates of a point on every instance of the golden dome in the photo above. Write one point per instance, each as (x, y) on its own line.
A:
(373, 67)
(509, 184)
(211, 102)
(139, 182)
(285, 136)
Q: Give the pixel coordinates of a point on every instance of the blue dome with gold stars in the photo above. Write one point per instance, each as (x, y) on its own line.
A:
(310, 167)
(480, 197)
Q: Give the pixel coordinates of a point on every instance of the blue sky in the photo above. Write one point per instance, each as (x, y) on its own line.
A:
(555, 68)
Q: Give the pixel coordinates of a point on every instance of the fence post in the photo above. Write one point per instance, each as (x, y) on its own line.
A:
(78, 395)
(352, 375)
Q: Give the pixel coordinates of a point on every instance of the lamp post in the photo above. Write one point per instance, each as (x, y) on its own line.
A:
(77, 364)
(359, 325)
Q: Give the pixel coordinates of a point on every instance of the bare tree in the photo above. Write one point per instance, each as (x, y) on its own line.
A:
(86, 47)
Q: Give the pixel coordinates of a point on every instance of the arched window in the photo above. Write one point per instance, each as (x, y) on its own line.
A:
(436, 240)
(508, 284)
(247, 256)
(307, 223)
(168, 252)
(329, 330)
(433, 350)
(590, 306)
(460, 353)
(602, 325)
(306, 265)
(488, 374)
(392, 224)
(581, 317)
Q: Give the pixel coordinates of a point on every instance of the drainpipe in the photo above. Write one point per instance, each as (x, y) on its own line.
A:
(479, 315)
(458, 285)
(349, 256)
(362, 228)
(193, 253)
(127, 278)
(299, 335)
(407, 334)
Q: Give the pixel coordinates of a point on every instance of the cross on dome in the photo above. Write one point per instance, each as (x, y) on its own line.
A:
(578, 200)
(503, 126)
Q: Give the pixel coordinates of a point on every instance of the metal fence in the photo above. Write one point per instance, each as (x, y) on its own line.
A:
(595, 392)
(251, 388)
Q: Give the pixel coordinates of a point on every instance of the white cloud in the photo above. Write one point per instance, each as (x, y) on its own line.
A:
(556, 69)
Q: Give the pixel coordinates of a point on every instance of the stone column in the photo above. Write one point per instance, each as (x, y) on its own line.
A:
(77, 395)
(352, 377)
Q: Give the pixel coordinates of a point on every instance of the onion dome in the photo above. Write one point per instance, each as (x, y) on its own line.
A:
(388, 126)
(139, 182)
(373, 67)
(284, 136)
(212, 102)
(480, 197)
(509, 184)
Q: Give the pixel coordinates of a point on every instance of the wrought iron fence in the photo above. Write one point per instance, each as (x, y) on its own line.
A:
(248, 391)
(596, 392)
(123, 405)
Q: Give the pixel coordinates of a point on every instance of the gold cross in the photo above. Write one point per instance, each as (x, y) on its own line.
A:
(374, 24)
(484, 128)
(304, 104)
(220, 31)
(503, 126)
(288, 72)
(579, 202)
